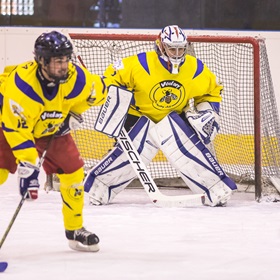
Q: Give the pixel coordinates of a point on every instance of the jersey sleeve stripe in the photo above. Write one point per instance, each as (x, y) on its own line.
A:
(24, 145)
(142, 57)
(27, 89)
(79, 84)
(6, 129)
(199, 68)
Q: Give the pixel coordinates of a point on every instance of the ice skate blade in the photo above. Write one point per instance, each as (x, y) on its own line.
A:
(78, 246)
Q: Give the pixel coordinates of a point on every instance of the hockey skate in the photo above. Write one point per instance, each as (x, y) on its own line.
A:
(82, 240)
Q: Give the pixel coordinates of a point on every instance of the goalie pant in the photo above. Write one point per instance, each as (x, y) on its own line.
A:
(184, 151)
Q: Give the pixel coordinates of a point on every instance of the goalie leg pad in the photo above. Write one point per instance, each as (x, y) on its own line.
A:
(197, 166)
(114, 173)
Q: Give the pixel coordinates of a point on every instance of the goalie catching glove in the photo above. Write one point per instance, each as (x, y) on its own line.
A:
(28, 180)
(205, 121)
(72, 121)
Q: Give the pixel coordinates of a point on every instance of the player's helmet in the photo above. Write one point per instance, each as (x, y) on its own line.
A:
(172, 45)
(52, 44)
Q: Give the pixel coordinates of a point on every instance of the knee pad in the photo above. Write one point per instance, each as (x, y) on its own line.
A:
(114, 173)
(72, 178)
(195, 163)
(72, 193)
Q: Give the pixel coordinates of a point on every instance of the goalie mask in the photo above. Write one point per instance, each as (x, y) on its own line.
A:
(53, 45)
(172, 46)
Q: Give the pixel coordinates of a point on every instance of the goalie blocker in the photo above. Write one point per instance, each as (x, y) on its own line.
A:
(112, 116)
(183, 149)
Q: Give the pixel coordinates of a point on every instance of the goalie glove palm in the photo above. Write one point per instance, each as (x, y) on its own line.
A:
(204, 122)
(28, 180)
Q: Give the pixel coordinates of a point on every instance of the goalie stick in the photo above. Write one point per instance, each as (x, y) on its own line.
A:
(4, 265)
(142, 172)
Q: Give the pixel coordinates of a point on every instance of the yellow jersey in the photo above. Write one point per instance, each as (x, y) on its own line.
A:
(31, 110)
(156, 91)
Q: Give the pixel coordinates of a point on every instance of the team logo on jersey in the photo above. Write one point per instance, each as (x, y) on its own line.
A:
(50, 120)
(50, 127)
(167, 94)
(168, 97)
(17, 110)
(51, 115)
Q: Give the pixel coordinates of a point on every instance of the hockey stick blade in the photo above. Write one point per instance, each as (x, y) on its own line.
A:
(183, 201)
(3, 266)
(148, 183)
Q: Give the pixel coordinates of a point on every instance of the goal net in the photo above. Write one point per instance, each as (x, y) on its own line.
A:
(247, 146)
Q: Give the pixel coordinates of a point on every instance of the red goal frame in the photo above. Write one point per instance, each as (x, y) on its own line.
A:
(255, 42)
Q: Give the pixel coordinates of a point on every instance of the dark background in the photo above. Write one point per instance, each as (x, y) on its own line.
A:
(197, 14)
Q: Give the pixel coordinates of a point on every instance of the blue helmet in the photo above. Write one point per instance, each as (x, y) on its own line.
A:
(52, 44)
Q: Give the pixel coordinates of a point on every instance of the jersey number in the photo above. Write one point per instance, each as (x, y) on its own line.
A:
(22, 124)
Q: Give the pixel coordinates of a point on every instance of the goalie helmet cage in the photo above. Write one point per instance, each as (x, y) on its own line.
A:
(247, 146)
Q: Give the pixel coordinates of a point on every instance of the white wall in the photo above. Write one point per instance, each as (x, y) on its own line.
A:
(17, 44)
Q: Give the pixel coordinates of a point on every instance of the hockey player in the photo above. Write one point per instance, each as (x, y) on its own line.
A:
(163, 81)
(41, 98)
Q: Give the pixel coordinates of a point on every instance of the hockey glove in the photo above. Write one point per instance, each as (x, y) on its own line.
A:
(205, 122)
(72, 121)
(28, 180)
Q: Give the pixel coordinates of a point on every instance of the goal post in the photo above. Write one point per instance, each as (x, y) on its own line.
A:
(247, 146)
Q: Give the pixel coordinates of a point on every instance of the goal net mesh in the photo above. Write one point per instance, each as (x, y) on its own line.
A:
(233, 64)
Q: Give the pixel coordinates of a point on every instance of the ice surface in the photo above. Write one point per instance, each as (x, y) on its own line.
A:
(140, 241)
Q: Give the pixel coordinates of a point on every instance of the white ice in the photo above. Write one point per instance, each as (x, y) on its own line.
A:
(140, 241)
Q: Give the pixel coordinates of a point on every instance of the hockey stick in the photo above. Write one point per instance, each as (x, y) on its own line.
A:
(4, 265)
(142, 172)
(23, 199)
